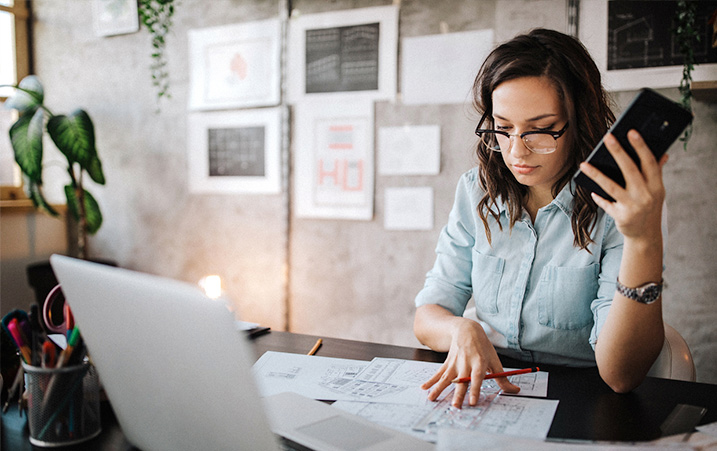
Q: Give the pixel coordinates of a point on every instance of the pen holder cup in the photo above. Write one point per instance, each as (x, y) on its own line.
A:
(63, 404)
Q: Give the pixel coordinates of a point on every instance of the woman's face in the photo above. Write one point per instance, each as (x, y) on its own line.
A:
(529, 104)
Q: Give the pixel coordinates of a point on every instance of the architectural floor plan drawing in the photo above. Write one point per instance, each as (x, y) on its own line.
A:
(387, 391)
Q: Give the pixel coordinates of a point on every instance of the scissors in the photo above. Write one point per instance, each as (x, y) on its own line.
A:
(52, 322)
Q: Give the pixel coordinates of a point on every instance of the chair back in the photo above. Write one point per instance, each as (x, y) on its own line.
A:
(675, 359)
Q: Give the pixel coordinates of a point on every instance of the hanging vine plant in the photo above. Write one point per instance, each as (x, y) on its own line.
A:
(156, 15)
(686, 36)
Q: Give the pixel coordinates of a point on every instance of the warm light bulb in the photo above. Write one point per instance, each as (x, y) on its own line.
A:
(212, 286)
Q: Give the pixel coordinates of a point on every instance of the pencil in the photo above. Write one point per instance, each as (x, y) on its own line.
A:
(316, 347)
(463, 380)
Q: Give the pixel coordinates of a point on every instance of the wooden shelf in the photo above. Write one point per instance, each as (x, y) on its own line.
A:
(705, 91)
(25, 206)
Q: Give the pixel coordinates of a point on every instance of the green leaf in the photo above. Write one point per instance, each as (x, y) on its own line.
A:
(95, 171)
(93, 215)
(74, 135)
(26, 139)
(35, 194)
(72, 204)
(28, 98)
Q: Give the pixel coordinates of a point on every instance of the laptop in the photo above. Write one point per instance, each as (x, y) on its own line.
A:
(178, 372)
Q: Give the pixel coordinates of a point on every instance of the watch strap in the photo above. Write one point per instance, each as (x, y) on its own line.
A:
(645, 294)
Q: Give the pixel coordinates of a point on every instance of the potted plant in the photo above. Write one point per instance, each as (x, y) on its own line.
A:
(74, 137)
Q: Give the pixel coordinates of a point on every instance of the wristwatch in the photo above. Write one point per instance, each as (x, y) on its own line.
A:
(646, 294)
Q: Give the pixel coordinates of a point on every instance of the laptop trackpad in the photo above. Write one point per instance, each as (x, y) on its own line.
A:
(344, 433)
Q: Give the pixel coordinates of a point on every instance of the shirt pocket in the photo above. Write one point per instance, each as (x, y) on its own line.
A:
(565, 295)
(486, 274)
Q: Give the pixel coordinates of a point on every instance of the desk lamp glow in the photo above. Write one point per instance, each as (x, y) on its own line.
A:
(212, 286)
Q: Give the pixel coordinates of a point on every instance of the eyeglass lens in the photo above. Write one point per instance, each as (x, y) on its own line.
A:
(536, 142)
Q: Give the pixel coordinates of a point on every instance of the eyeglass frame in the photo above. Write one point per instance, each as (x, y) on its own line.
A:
(510, 136)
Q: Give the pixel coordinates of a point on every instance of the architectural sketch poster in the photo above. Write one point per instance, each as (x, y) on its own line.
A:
(632, 44)
(640, 34)
(235, 152)
(234, 66)
(344, 52)
(334, 160)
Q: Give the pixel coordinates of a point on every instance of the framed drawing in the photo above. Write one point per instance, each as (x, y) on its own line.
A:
(352, 53)
(113, 17)
(235, 66)
(632, 43)
(334, 163)
(235, 152)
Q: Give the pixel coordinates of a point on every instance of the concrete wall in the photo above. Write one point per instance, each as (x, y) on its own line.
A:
(350, 279)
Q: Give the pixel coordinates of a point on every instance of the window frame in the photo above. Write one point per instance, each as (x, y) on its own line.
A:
(22, 13)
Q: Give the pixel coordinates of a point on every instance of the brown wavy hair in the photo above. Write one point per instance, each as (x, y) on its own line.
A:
(567, 65)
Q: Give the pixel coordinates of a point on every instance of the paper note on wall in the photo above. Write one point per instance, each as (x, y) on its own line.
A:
(409, 150)
(408, 208)
(440, 69)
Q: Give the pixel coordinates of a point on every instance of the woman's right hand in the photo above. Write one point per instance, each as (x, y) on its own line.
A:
(471, 354)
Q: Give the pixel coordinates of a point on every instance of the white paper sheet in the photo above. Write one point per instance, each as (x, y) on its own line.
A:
(414, 372)
(408, 208)
(409, 150)
(515, 416)
(440, 69)
(309, 375)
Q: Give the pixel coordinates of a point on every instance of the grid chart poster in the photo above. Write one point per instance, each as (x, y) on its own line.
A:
(235, 151)
(342, 59)
(351, 53)
(334, 160)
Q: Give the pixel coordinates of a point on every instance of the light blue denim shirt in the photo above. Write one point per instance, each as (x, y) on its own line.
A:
(540, 297)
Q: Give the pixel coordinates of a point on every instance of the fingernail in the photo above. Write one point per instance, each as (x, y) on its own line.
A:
(474, 401)
(609, 139)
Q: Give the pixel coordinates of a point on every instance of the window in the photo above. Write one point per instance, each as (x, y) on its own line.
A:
(14, 66)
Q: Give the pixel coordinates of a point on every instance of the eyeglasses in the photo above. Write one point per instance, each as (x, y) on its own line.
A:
(538, 141)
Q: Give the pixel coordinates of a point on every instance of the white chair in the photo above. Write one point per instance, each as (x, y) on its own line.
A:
(675, 359)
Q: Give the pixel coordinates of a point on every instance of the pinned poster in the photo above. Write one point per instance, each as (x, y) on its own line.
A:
(343, 53)
(235, 66)
(334, 160)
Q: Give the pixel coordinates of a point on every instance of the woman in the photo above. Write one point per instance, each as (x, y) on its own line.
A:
(541, 256)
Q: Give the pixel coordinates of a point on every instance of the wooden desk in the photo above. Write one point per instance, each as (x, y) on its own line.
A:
(588, 409)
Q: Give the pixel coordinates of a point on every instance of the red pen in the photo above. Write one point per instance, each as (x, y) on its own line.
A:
(48, 354)
(463, 380)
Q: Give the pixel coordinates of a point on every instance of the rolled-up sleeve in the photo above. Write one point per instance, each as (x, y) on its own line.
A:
(609, 268)
(448, 283)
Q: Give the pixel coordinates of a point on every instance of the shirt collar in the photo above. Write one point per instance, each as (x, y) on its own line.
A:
(564, 200)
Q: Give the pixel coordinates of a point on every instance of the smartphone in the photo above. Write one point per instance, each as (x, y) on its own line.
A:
(658, 119)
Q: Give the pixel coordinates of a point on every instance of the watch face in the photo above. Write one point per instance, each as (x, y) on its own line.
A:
(651, 294)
